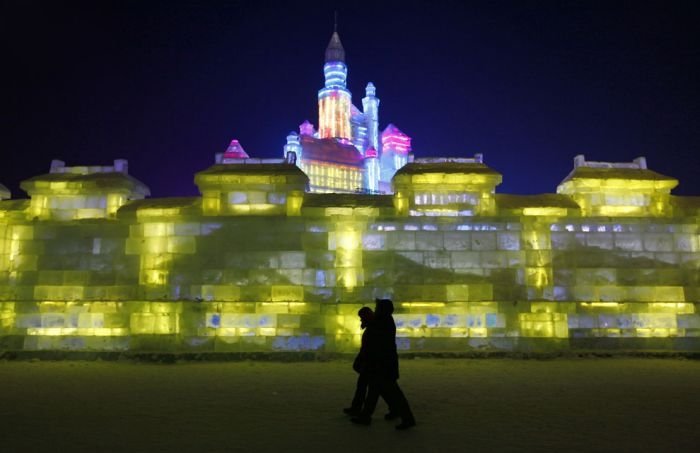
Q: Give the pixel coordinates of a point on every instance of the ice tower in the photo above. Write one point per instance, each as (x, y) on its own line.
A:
(346, 154)
(334, 99)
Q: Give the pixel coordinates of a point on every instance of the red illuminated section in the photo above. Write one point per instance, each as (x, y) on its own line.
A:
(235, 151)
(394, 139)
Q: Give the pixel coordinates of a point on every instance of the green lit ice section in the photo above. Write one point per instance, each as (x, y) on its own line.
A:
(611, 261)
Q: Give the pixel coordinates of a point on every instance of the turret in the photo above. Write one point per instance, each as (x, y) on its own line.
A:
(370, 105)
(82, 192)
(446, 187)
(307, 128)
(252, 187)
(613, 189)
(396, 147)
(371, 175)
(293, 146)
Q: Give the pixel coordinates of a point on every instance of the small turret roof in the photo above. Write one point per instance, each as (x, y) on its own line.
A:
(391, 129)
(617, 173)
(78, 183)
(371, 152)
(416, 168)
(235, 151)
(335, 51)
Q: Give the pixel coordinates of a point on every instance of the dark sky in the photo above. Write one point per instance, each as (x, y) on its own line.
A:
(529, 84)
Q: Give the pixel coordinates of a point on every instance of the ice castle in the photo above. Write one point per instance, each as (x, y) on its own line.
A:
(347, 153)
(264, 260)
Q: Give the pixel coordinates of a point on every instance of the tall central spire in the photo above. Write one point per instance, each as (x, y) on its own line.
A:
(335, 51)
(335, 100)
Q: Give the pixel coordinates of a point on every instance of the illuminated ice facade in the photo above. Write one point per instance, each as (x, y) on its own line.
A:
(347, 154)
(257, 263)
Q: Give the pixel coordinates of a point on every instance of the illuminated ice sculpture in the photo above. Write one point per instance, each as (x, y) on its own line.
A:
(259, 263)
(279, 254)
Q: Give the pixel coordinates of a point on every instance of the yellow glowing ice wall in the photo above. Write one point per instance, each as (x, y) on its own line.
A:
(64, 283)
(529, 245)
(162, 236)
(517, 273)
(618, 189)
(8, 251)
(342, 255)
(625, 277)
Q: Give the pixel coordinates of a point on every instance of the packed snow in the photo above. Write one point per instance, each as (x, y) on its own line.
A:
(620, 404)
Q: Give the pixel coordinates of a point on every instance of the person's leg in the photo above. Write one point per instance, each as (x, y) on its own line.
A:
(391, 413)
(360, 394)
(373, 391)
(389, 397)
(399, 404)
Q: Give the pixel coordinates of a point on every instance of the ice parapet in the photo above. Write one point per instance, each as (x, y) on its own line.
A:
(83, 192)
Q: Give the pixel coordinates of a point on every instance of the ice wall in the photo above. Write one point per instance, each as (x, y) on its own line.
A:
(257, 264)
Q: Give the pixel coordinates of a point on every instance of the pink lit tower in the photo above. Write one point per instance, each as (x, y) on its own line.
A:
(346, 154)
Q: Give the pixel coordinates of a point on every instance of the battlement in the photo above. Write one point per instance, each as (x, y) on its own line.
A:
(120, 166)
(433, 187)
(219, 159)
(446, 187)
(252, 187)
(477, 159)
(638, 163)
(618, 189)
(82, 192)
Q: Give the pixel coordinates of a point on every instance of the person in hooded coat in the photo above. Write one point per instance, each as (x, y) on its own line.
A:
(382, 369)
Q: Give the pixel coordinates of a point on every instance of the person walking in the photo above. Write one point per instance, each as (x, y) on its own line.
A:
(383, 369)
(360, 365)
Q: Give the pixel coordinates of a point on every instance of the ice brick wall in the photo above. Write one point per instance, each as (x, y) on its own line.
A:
(296, 283)
(169, 275)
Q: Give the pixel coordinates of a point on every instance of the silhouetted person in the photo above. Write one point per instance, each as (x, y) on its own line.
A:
(383, 368)
(360, 365)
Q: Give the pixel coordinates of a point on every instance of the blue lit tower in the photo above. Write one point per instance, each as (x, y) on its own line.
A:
(372, 170)
(293, 145)
(370, 107)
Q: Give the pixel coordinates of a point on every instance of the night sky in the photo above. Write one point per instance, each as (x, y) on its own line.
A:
(529, 84)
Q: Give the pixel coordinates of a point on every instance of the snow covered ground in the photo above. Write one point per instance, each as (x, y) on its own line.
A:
(461, 405)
